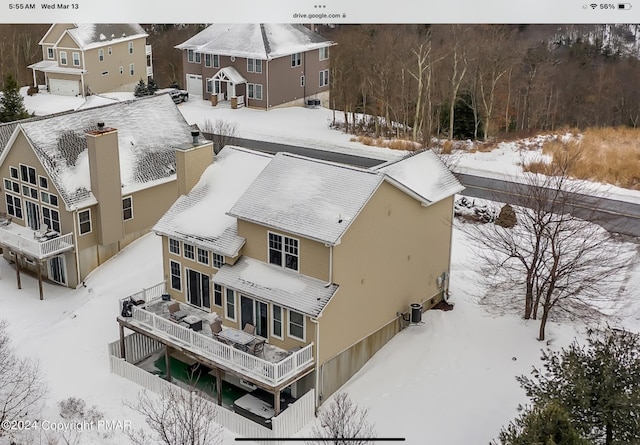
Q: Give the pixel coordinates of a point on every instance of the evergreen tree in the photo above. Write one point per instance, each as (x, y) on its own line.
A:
(141, 89)
(11, 103)
(598, 385)
(152, 86)
(544, 425)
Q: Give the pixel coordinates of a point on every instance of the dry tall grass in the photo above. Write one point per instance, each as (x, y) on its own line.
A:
(395, 144)
(609, 155)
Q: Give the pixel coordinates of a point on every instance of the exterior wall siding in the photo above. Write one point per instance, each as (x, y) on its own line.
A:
(389, 258)
(284, 80)
(96, 82)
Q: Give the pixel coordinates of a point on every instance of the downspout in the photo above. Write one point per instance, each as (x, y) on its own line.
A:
(76, 250)
(330, 266)
(318, 367)
(82, 76)
(445, 281)
(268, 105)
(304, 73)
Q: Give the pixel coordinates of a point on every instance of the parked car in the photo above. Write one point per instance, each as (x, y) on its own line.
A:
(176, 94)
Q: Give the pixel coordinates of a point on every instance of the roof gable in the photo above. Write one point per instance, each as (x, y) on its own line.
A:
(260, 41)
(309, 197)
(146, 154)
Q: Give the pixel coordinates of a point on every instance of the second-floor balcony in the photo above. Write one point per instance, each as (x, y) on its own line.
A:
(151, 317)
(35, 244)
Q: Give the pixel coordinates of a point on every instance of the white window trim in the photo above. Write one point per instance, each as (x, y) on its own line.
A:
(40, 177)
(210, 57)
(198, 250)
(171, 275)
(253, 95)
(73, 58)
(323, 50)
(51, 54)
(184, 251)
(169, 246)
(63, 55)
(100, 55)
(22, 209)
(14, 169)
(304, 326)
(235, 305)
(273, 320)
(130, 198)
(190, 56)
(208, 85)
(213, 262)
(51, 210)
(283, 252)
(35, 173)
(213, 293)
(197, 57)
(80, 223)
(326, 78)
(296, 60)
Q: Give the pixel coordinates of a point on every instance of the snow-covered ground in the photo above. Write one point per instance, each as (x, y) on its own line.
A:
(449, 381)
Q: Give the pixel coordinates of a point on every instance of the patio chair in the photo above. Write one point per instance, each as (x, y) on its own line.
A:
(249, 328)
(216, 328)
(256, 347)
(5, 222)
(41, 233)
(175, 313)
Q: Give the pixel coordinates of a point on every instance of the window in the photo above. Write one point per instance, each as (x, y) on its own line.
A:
(28, 174)
(121, 70)
(132, 71)
(254, 65)
(76, 58)
(13, 172)
(51, 218)
(63, 57)
(283, 248)
(216, 61)
(302, 80)
(130, 47)
(217, 295)
(43, 182)
(212, 60)
(190, 55)
(231, 304)
(324, 53)
(218, 261)
(209, 84)
(101, 55)
(254, 91)
(176, 277)
(14, 206)
(296, 59)
(50, 53)
(127, 208)
(198, 57)
(84, 220)
(276, 321)
(324, 78)
(296, 325)
(109, 51)
(203, 256)
(53, 200)
(189, 251)
(105, 73)
(174, 246)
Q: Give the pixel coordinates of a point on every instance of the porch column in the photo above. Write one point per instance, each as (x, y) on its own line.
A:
(167, 362)
(122, 351)
(219, 385)
(40, 279)
(17, 257)
(276, 401)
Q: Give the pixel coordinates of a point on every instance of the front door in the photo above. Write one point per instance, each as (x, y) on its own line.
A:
(198, 289)
(231, 89)
(33, 214)
(57, 270)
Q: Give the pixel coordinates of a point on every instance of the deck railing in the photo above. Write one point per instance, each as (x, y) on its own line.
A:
(216, 351)
(33, 247)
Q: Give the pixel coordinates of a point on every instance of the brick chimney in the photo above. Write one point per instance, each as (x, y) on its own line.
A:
(104, 167)
(191, 161)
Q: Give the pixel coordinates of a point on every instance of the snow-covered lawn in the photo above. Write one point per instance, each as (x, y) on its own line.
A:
(449, 381)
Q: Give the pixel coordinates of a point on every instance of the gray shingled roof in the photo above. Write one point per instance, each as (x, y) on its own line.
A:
(149, 129)
(277, 285)
(89, 35)
(260, 41)
(308, 197)
(200, 216)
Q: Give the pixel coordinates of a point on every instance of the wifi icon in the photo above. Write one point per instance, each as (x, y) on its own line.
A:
(593, 5)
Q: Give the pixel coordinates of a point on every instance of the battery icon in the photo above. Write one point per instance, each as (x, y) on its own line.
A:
(624, 5)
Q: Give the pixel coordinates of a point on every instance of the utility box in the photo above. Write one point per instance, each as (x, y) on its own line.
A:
(416, 312)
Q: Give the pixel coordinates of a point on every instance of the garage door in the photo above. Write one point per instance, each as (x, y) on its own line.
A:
(194, 84)
(64, 87)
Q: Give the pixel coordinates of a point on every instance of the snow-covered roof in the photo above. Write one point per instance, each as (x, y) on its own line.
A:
(91, 35)
(230, 73)
(422, 175)
(51, 66)
(309, 197)
(264, 41)
(149, 129)
(277, 285)
(200, 216)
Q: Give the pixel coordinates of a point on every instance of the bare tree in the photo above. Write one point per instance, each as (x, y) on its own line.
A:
(343, 419)
(179, 417)
(553, 262)
(21, 383)
(221, 132)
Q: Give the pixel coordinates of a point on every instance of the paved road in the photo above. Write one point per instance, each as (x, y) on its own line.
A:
(614, 215)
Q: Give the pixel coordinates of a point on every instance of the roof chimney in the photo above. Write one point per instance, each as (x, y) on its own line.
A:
(195, 134)
(100, 126)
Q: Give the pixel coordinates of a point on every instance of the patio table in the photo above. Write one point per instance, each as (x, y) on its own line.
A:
(236, 336)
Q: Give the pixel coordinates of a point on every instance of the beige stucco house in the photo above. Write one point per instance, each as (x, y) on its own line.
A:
(323, 259)
(91, 58)
(94, 179)
(257, 65)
